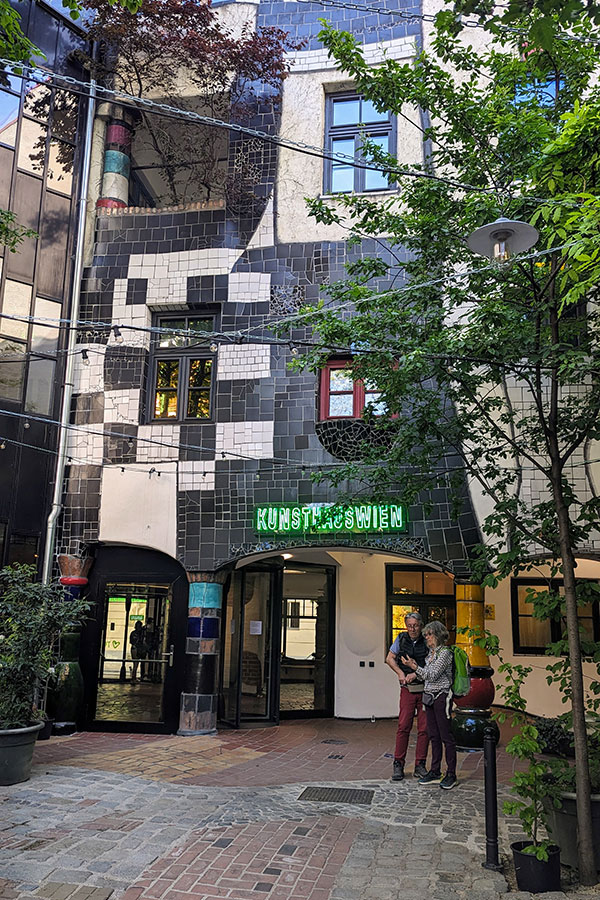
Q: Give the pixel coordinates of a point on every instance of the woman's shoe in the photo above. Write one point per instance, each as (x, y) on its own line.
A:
(448, 782)
(431, 778)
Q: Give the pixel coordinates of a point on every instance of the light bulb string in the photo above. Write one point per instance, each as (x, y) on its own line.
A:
(239, 335)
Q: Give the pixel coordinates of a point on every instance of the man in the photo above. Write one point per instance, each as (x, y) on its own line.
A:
(409, 643)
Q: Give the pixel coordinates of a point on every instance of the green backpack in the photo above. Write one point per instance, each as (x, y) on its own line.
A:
(461, 672)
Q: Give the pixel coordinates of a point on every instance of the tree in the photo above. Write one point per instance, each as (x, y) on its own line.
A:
(541, 21)
(490, 371)
(180, 53)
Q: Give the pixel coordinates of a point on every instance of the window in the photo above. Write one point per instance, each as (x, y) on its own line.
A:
(531, 635)
(544, 92)
(343, 397)
(415, 589)
(183, 369)
(349, 120)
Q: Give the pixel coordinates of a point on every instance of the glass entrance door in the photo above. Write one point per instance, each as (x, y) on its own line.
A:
(136, 655)
(306, 686)
(250, 664)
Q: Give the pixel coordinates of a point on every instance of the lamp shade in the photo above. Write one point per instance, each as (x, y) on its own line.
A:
(502, 239)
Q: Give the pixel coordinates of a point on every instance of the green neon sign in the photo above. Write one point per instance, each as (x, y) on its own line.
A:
(328, 518)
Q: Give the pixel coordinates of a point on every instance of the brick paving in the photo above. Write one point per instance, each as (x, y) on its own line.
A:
(154, 817)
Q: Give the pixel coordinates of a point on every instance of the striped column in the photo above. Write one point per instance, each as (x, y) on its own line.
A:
(198, 712)
(117, 161)
(472, 713)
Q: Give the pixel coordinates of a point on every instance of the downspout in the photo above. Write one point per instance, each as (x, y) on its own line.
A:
(65, 413)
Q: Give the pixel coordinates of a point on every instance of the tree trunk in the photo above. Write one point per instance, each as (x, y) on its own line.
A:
(585, 846)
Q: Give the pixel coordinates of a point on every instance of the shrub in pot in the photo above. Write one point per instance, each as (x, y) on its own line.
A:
(32, 615)
(561, 808)
(558, 774)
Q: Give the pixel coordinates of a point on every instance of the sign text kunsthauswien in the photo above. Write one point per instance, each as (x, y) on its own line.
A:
(326, 518)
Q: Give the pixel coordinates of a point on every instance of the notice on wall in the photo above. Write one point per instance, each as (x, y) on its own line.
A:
(255, 627)
(490, 611)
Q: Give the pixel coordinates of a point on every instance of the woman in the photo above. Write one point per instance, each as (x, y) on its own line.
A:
(437, 700)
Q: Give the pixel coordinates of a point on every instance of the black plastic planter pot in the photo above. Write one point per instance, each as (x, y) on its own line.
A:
(16, 753)
(533, 874)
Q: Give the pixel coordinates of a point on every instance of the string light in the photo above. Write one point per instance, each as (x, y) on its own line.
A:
(214, 347)
(85, 357)
(26, 424)
(3, 445)
(117, 334)
(247, 334)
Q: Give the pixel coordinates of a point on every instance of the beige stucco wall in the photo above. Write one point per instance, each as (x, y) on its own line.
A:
(542, 699)
(300, 175)
(139, 508)
(361, 634)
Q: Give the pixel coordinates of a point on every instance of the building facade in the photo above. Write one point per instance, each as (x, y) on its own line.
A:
(188, 499)
(41, 136)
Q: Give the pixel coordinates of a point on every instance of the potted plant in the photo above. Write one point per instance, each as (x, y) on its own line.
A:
(32, 615)
(537, 860)
(557, 739)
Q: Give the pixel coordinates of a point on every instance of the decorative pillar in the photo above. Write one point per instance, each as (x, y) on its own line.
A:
(472, 712)
(65, 698)
(117, 161)
(198, 712)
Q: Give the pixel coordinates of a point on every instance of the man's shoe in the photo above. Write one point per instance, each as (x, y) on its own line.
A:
(420, 770)
(448, 782)
(398, 771)
(431, 778)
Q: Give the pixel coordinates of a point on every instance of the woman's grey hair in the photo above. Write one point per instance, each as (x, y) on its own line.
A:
(438, 630)
(414, 615)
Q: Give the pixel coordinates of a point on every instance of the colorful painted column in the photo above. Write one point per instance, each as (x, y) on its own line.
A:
(198, 713)
(472, 713)
(117, 161)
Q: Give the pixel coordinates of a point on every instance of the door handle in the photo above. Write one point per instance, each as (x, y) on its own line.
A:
(170, 655)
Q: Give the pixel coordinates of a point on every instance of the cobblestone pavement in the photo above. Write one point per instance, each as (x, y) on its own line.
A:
(148, 817)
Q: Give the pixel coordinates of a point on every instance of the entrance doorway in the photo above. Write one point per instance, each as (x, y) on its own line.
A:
(306, 674)
(135, 655)
(278, 643)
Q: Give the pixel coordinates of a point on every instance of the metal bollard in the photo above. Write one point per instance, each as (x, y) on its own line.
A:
(491, 800)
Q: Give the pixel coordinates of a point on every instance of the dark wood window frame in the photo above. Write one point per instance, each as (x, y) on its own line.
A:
(555, 626)
(184, 355)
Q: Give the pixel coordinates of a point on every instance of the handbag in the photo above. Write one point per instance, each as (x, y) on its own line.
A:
(415, 687)
(428, 698)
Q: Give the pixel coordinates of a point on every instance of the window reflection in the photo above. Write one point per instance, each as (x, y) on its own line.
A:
(64, 115)
(40, 379)
(16, 302)
(60, 166)
(12, 369)
(32, 147)
(37, 101)
(199, 389)
(44, 338)
(167, 379)
(9, 112)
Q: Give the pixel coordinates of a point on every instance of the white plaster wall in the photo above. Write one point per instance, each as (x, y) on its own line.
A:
(139, 508)
(300, 175)
(542, 699)
(361, 634)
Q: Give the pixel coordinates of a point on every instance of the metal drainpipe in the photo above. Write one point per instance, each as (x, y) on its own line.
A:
(65, 412)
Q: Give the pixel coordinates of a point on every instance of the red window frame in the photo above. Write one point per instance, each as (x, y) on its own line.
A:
(358, 392)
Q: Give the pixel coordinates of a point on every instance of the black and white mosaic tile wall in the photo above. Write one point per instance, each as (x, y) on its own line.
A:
(208, 476)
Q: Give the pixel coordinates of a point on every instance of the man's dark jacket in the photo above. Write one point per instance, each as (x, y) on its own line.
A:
(418, 651)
